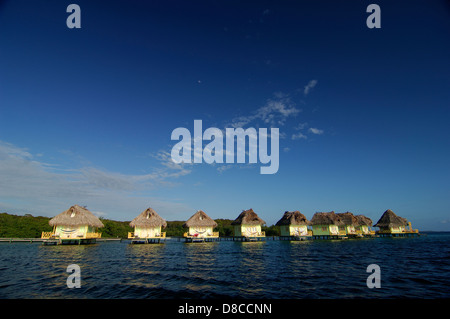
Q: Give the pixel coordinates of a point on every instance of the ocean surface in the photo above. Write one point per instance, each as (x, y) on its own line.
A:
(409, 268)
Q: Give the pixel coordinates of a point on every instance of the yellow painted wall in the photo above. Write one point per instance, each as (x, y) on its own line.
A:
(71, 232)
(247, 230)
(201, 231)
(397, 229)
(392, 230)
(147, 232)
(363, 229)
(348, 229)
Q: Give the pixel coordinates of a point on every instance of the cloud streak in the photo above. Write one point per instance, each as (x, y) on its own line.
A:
(315, 131)
(311, 84)
(274, 113)
(299, 135)
(35, 187)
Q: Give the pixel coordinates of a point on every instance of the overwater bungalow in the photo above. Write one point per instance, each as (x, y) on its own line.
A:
(247, 226)
(326, 225)
(347, 223)
(392, 225)
(200, 228)
(294, 225)
(77, 225)
(363, 227)
(147, 228)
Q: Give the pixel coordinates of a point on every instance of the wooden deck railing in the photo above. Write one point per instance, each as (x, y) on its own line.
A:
(47, 234)
(93, 235)
(410, 231)
(50, 235)
(259, 234)
(210, 235)
(161, 235)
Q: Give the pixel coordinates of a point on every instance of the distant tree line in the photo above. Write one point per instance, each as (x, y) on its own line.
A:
(28, 226)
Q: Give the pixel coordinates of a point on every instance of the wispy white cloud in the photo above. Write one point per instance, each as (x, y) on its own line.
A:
(311, 84)
(301, 133)
(301, 126)
(298, 136)
(36, 187)
(274, 113)
(315, 131)
(223, 168)
(173, 170)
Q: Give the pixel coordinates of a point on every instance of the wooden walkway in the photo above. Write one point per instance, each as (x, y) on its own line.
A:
(223, 238)
(42, 240)
(22, 240)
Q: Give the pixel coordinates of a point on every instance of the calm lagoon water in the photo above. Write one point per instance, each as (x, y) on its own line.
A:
(410, 268)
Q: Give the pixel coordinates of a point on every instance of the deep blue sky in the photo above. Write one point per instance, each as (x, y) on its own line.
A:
(86, 114)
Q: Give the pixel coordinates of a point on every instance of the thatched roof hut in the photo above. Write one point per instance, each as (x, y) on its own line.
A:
(347, 218)
(389, 219)
(76, 216)
(200, 219)
(325, 218)
(293, 218)
(148, 218)
(364, 221)
(248, 217)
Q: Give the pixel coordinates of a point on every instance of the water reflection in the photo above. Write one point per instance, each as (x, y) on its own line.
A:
(49, 271)
(272, 269)
(250, 271)
(201, 263)
(145, 252)
(143, 266)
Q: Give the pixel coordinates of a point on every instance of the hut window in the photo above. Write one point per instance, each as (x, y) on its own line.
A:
(72, 215)
(324, 228)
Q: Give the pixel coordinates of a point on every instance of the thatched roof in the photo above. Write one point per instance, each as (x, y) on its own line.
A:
(148, 218)
(347, 218)
(293, 218)
(389, 219)
(329, 218)
(76, 216)
(364, 221)
(200, 219)
(248, 217)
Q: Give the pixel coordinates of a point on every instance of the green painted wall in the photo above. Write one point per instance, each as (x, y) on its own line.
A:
(237, 230)
(321, 230)
(284, 230)
(293, 230)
